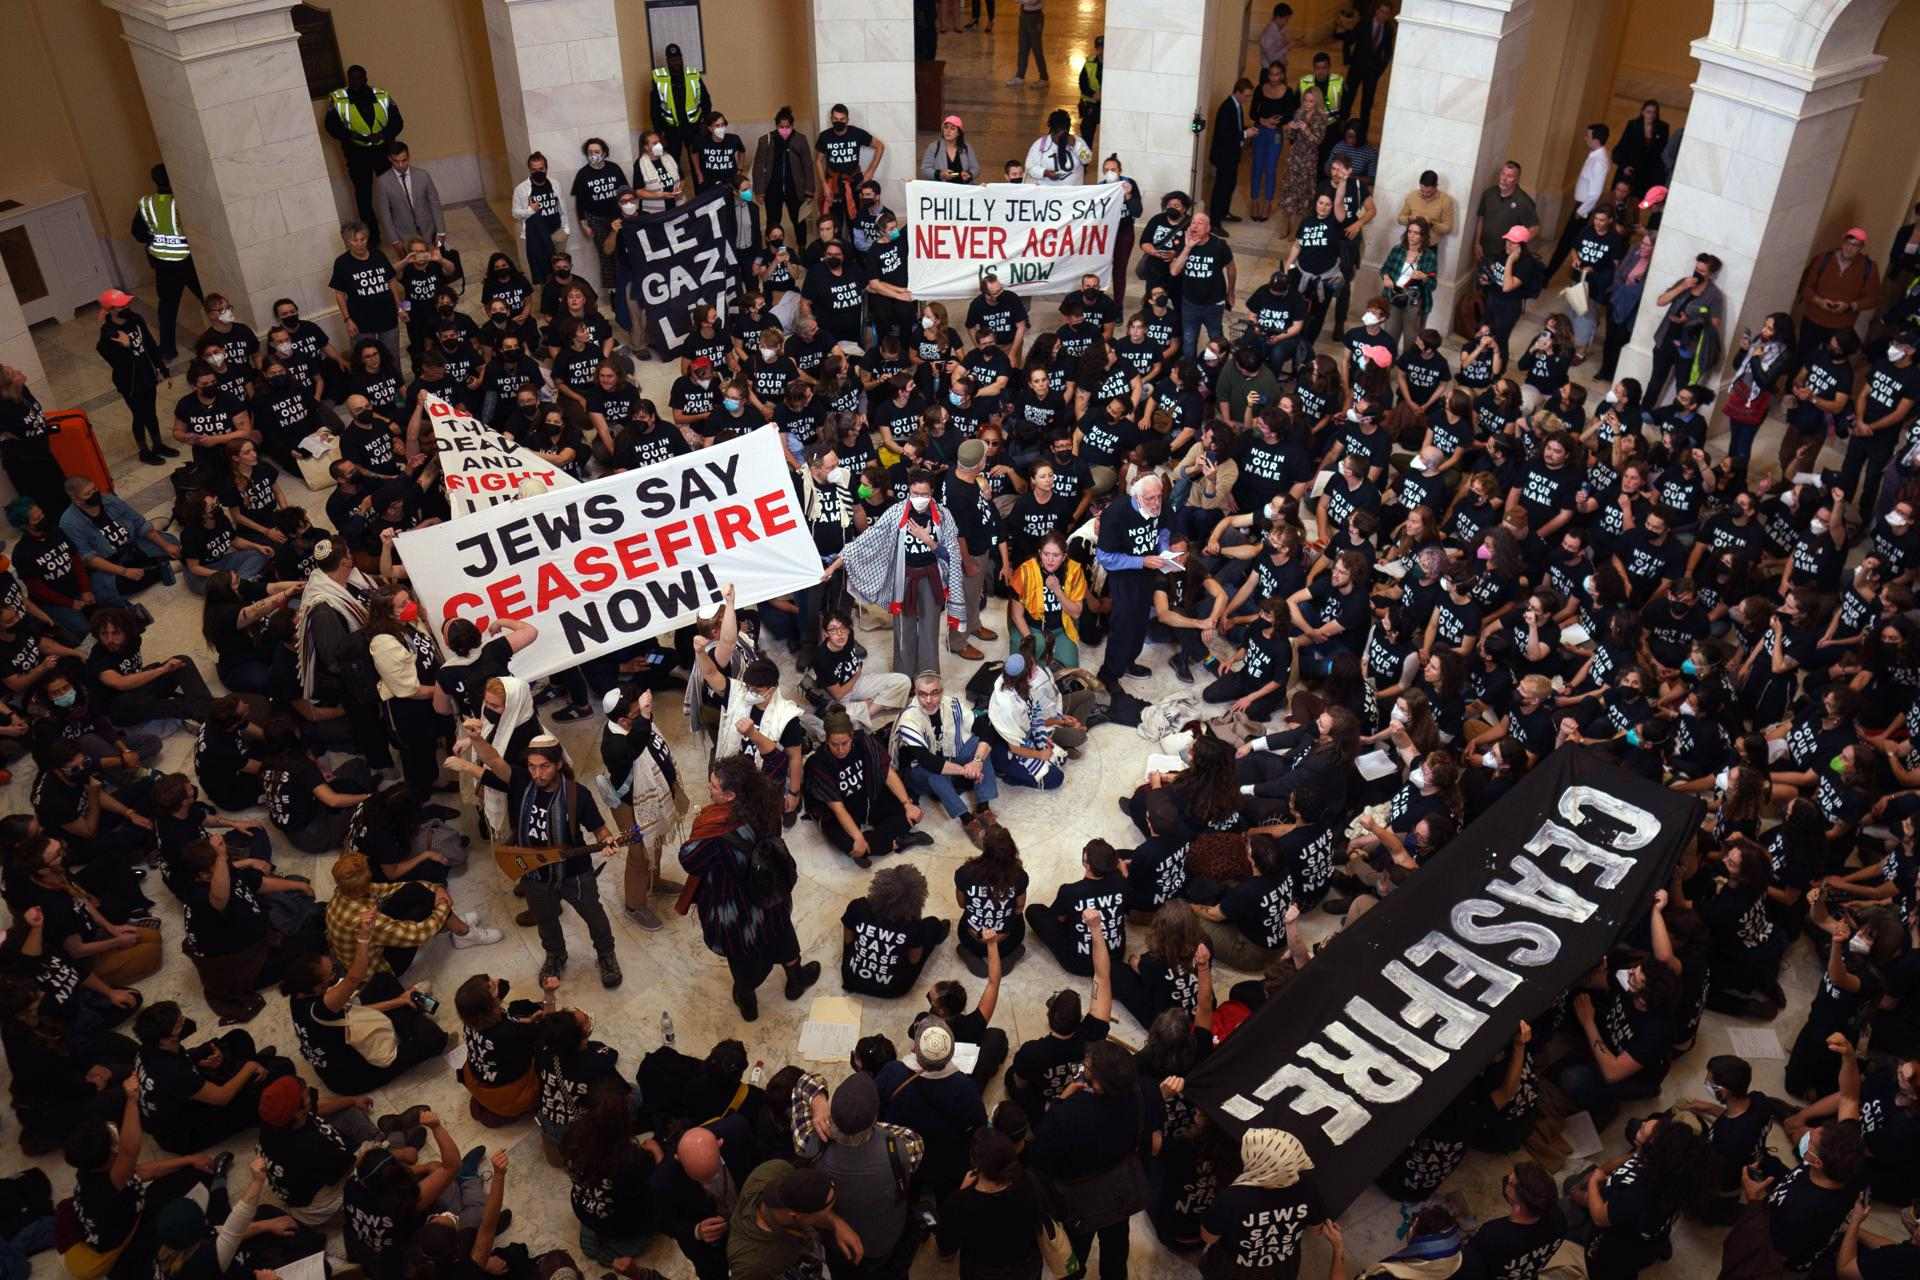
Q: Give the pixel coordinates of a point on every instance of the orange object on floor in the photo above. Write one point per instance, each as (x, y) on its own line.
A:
(77, 449)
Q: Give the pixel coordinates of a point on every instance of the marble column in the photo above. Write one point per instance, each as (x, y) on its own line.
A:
(228, 97)
(16, 341)
(556, 64)
(1155, 58)
(1763, 143)
(1450, 108)
(863, 57)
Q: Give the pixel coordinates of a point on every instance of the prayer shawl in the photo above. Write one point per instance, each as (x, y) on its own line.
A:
(517, 711)
(877, 562)
(775, 715)
(745, 650)
(914, 728)
(810, 502)
(349, 601)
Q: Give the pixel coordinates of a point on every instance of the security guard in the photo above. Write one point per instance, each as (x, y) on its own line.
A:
(156, 224)
(1333, 96)
(680, 103)
(1090, 75)
(365, 120)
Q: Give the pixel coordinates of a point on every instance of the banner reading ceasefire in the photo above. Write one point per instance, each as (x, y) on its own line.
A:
(606, 564)
(482, 467)
(1399, 1013)
(1036, 239)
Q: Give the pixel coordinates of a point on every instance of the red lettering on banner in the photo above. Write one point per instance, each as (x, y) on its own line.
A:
(635, 556)
(775, 516)
(509, 598)
(554, 585)
(944, 242)
(703, 525)
(671, 539)
(595, 573)
(736, 524)
(465, 600)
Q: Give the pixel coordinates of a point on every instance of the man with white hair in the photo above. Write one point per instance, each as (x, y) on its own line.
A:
(1132, 538)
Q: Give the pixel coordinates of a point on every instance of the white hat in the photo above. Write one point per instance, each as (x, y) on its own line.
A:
(934, 1049)
(612, 700)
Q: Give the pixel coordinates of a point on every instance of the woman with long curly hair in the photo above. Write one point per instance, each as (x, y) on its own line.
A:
(610, 1167)
(1167, 975)
(741, 878)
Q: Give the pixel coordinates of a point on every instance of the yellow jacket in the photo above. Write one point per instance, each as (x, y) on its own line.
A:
(1030, 584)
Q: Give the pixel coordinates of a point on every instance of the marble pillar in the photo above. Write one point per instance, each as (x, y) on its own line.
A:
(224, 85)
(1450, 108)
(1763, 142)
(863, 57)
(16, 341)
(556, 64)
(1155, 58)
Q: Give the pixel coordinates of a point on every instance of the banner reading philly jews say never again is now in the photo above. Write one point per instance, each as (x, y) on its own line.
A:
(483, 467)
(604, 565)
(1036, 239)
(1400, 1012)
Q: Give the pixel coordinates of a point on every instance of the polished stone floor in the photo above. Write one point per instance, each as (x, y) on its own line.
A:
(671, 970)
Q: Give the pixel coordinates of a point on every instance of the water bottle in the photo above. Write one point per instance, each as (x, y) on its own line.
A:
(666, 1028)
(759, 1072)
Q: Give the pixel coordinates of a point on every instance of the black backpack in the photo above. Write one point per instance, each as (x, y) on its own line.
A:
(771, 870)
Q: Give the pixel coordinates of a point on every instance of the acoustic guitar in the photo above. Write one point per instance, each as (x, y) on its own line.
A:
(515, 860)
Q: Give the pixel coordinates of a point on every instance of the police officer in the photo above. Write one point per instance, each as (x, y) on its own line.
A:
(365, 120)
(680, 105)
(1090, 74)
(156, 224)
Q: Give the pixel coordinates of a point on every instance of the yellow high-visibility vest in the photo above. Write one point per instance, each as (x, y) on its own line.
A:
(1336, 89)
(663, 85)
(163, 220)
(357, 124)
(1092, 69)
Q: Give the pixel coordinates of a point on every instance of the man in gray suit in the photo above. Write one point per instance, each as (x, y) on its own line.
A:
(407, 203)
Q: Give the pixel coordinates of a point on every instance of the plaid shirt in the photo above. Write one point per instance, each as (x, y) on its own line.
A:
(808, 1144)
(343, 924)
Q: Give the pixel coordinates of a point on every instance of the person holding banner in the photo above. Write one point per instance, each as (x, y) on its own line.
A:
(910, 561)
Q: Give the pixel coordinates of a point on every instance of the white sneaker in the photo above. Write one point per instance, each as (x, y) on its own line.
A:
(478, 935)
(1016, 82)
(471, 917)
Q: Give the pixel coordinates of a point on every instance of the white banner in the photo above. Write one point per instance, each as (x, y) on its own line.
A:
(482, 467)
(606, 564)
(1036, 239)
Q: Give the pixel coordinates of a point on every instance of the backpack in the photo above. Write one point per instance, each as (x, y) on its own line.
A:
(980, 684)
(771, 870)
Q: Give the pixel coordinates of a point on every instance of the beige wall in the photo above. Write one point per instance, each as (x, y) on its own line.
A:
(759, 59)
(1880, 168)
(68, 87)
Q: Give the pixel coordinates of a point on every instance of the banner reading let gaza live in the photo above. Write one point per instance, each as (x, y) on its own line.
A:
(606, 564)
(482, 467)
(1036, 239)
(1399, 1013)
(683, 259)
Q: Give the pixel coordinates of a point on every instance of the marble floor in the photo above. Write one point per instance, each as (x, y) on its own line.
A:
(671, 970)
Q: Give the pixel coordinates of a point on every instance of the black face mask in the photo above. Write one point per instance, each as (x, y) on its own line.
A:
(188, 1027)
(539, 179)
(497, 321)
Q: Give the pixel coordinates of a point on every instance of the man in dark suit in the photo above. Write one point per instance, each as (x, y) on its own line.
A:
(1372, 53)
(1232, 126)
(694, 1190)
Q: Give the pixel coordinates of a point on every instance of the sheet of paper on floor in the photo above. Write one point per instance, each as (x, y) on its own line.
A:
(1578, 1130)
(1755, 1042)
(965, 1056)
(1375, 765)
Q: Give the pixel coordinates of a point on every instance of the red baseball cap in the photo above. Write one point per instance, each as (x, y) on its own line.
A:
(1654, 196)
(112, 298)
(1517, 235)
(702, 362)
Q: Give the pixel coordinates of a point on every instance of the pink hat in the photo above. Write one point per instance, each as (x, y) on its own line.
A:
(954, 121)
(112, 298)
(1380, 356)
(1655, 196)
(1857, 233)
(1518, 235)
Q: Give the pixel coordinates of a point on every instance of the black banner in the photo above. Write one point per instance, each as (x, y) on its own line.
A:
(679, 258)
(1398, 1014)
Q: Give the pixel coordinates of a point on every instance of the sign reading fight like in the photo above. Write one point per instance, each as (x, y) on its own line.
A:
(681, 259)
(1399, 1013)
(603, 565)
(482, 467)
(1035, 239)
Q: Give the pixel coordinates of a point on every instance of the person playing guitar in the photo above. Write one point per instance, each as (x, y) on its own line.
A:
(547, 810)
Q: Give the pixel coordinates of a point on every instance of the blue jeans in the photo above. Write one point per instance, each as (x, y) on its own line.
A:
(246, 565)
(1266, 163)
(1197, 315)
(1290, 356)
(945, 787)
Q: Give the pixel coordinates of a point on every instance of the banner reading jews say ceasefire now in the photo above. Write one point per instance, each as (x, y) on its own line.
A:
(1036, 239)
(482, 467)
(604, 565)
(1400, 1012)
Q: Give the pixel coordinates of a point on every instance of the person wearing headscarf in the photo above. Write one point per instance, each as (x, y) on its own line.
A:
(334, 670)
(1433, 1250)
(1240, 1229)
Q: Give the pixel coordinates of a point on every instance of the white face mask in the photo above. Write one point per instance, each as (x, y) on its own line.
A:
(1373, 317)
(920, 501)
(719, 131)
(629, 207)
(1623, 978)
(1895, 352)
(928, 323)
(1111, 175)
(1817, 525)
(225, 317)
(1791, 498)
(1417, 778)
(837, 477)
(1491, 760)
(1353, 415)
(756, 697)
(1401, 716)
(283, 348)
(1896, 521)
(1591, 583)
(595, 159)
(218, 360)
(1212, 357)
(1859, 944)
(768, 353)
(1688, 709)
(656, 150)
(1612, 397)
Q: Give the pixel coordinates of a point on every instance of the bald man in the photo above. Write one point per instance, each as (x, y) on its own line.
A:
(695, 1191)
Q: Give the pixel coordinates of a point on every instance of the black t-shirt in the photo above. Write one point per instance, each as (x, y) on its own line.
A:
(853, 780)
(107, 1213)
(1109, 895)
(876, 955)
(466, 682)
(1506, 1250)
(719, 158)
(1048, 1064)
(502, 1053)
(206, 419)
(689, 397)
(841, 147)
(1887, 385)
(368, 286)
(1274, 311)
(617, 1206)
(1890, 1262)
(214, 931)
(1205, 272)
(289, 792)
(1003, 314)
(1258, 907)
(836, 299)
(1806, 1220)
(566, 1079)
(1260, 1230)
(303, 1162)
(981, 906)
